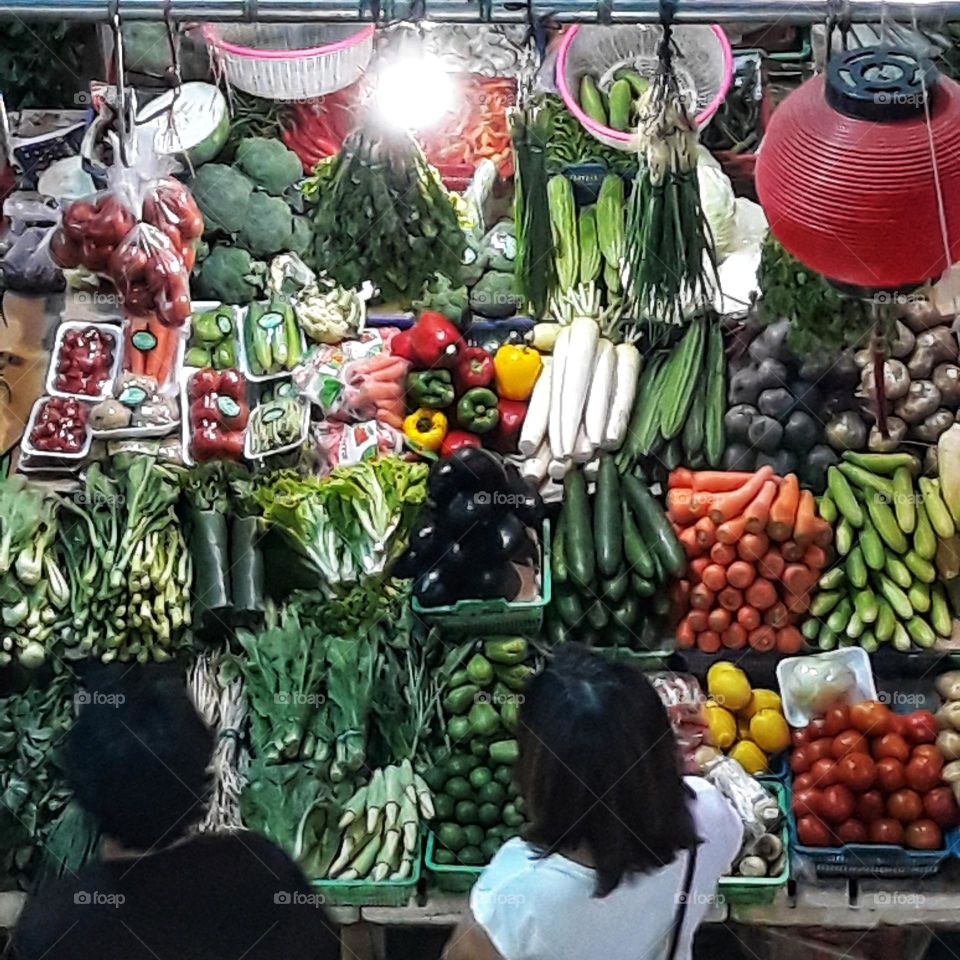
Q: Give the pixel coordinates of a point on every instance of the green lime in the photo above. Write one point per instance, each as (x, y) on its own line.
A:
(459, 765)
(479, 777)
(471, 857)
(503, 774)
(458, 788)
(443, 804)
(479, 749)
(474, 835)
(450, 837)
(443, 856)
(465, 812)
(458, 729)
(492, 792)
(488, 814)
(489, 847)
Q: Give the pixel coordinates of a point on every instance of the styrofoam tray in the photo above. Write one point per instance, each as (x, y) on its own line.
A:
(42, 455)
(858, 661)
(185, 429)
(287, 448)
(107, 389)
(242, 350)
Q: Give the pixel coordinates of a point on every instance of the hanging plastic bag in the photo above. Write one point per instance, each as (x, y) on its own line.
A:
(28, 266)
(169, 206)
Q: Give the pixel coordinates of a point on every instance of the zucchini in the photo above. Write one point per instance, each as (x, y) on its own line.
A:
(904, 500)
(655, 527)
(924, 539)
(620, 100)
(579, 535)
(842, 496)
(607, 534)
(680, 380)
(885, 522)
(635, 550)
(856, 568)
(940, 618)
(714, 435)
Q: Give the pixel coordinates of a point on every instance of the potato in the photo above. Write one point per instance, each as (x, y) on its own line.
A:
(948, 716)
(948, 743)
(951, 773)
(948, 685)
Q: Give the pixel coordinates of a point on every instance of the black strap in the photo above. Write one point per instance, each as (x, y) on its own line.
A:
(682, 905)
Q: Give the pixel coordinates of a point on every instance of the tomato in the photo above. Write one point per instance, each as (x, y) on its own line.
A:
(897, 724)
(852, 831)
(806, 803)
(837, 803)
(924, 835)
(923, 773)
(816, 729)
(940, 806)
(824, 772)
(798, 737)
(857, 771)
(850, 741)
(800, 760)
(891, 745)
(885, 830)
(870, 806)
(803, 781)
(820, 749)
(920, 727)
(928, 751)
(870, 717)
(813, 832)
(890, 774)
(835, 720)
(904, 805)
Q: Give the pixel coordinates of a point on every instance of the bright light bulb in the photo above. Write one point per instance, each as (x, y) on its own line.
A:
(414, 93)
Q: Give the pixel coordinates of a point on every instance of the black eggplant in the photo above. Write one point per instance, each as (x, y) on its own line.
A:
(528, 503)
(469, 469)
(426, 539)
(501, 580)
(504, 538)
(431, 589)
(465, 511)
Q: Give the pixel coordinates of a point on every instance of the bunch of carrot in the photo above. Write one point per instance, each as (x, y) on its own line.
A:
(755, 547)
(149, 347)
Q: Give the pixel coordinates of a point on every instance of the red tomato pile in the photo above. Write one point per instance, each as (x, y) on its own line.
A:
(170, 207)
(150, 276)
(863, 774)
(218, 414)
(91, 231)
(84, 361)
(60, 426)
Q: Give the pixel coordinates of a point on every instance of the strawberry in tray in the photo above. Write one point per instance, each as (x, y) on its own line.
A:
(218, 414)
(60, 426)
(84, 361)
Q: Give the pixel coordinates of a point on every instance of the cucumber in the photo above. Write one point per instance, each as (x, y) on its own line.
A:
(620, 100)
(904, 499)
(597, 615)
(810, 628)
(591, 101)
(643, 588)
(568, 606)
(833, 579)
(558, 556)
(919, 596)
(867, 481)
(827, 639)
(856, 568)
(924, 539)
(936, 508)
(897, 571)
(655, 527)
(886, 621)
(866, 606)
(692, 436)
(680, 380)
(940, 618)
(922, 569)
(871, 545)
(843, 538)
(714, 436)
(837, 621)
(643, 433)
(634, 547)
(883, 463)
(827, 509)
(625, 616)
(868, 642)
(824, 602)
(895, 597)
(615, 588)
(579, 536)
(854, 626)
(842, 496)
(638, 84)
(921, 632)
(882, 517)
(901, 639)
(672, 453)
(607, 535)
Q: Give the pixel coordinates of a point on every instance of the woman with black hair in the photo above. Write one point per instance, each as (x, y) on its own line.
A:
(138, 759)
(621, 855)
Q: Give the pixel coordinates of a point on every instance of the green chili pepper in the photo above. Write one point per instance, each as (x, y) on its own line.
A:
(477, 410)
(430, 388)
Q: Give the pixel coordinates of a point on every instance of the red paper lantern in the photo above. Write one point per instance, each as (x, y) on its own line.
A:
(846, 176)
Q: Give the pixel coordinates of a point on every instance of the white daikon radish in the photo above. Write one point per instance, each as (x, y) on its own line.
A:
(556, 390)
(558, 469)
(538, 412)
(583, 449)
(601, 392)
(536, 466)
(577, 371)
(624, 391)
(591, 469)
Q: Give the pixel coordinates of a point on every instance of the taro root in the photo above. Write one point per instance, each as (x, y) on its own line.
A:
(946, 378)
(896, 381)
(878, 443)
(922, 399)
(904, 343)
(930, 428)
(847, 431)
(934, 346)
(920, 315)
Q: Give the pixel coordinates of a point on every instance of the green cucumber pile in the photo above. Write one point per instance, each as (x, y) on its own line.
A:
(272, 337)
(620, 106)
(611, 560)
(890, 533)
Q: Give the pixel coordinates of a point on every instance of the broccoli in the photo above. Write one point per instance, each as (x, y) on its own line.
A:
(302, 235)
(229, 274)
(268, 227)
(440, 295)
(221, 194)
(494, 296)
(268, 163)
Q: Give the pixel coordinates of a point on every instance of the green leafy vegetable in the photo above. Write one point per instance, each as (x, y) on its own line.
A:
(268, 163)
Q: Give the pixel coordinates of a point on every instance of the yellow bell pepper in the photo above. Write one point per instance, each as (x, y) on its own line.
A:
(425, 429)
(515, 371)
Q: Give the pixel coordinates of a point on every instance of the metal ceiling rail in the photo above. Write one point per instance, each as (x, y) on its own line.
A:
(480, 11)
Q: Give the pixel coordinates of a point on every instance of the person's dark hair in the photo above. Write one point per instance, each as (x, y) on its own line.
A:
(138, 756)
(599, 766)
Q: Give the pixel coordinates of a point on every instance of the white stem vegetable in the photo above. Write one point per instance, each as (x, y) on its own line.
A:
(581, 349)
(583, 449)
(601, 392)
(558, 469)
(538, 412)
(556, 390)
(536, 467)
(591, 470)
(624, 391)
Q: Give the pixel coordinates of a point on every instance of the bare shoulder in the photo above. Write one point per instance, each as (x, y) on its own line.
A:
(470, 942)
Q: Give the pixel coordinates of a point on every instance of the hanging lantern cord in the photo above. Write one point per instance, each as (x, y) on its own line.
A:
(665, 53)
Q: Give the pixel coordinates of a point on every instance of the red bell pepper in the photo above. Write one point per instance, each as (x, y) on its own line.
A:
(433, 341)
(456, 440)
(506, 434)
(474, 369)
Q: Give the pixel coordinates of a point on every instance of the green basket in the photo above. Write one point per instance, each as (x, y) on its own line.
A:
(753, 890)
(367, 893)
(497, 615)
(449, 877)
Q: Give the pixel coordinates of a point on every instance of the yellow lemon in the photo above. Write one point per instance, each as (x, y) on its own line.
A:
(730, 688)
(750, 757)
(721, 725)
(762, 700)
(770, 731)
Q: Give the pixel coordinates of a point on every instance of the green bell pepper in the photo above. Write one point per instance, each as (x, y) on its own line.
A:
(206, 326)
(430, 388)
(477, 410)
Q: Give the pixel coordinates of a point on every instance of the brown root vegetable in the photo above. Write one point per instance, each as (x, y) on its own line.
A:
(931, 427)
(863, 357)
(878, 443)
(951, 772)
(896, 381)
(920, 315)
(948, 743)
(847, 431)
(109, 415)
(931, 460)
(934, 346)
(946, 378)
(948, 685)
(904, 343)
(948, 716)
(922, 399)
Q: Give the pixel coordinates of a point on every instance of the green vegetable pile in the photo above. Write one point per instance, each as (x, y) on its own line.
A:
(272, 338)
(380, 213)
(569, 143)
(33, 592)
(213, 339)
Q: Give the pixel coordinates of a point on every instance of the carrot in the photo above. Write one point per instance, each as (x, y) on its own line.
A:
(741, 574)
(160, 359)
(822, 532)
(777, 616)
(815, 557)
(797, 579)
(726, 506)
(783, 512)
(804, 526)
(771, 566)
(701, 597)
(789, 640)
(718, 620)
(714, 577)
(706, 531)
(697, 566)
(688, 540)
(685, 636)
(800, 603)
(748, 618)
(761, 594)
(763, 639)
(758, 510)
(720, 481)
(708, 641)
(679, 508)
(133, 358)
(681, 477)
(753, 546)
(698, 620)
(730, 598)
(792, 551)
(734, 637)
(723, 554)
(732, 531)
